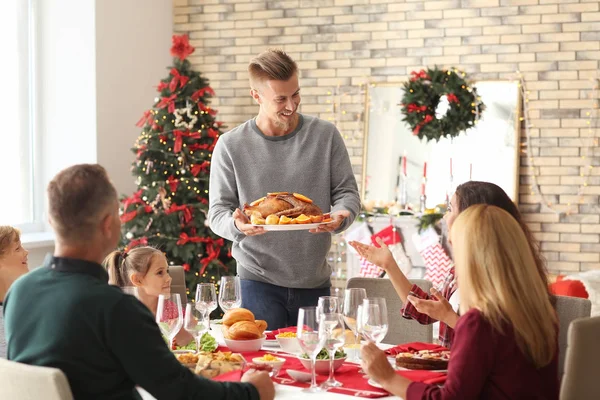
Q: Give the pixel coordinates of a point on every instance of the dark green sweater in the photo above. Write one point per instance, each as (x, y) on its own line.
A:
(65, 315)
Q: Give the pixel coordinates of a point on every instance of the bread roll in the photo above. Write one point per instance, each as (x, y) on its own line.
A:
(261, 324)
(244, 330)
(237, 314)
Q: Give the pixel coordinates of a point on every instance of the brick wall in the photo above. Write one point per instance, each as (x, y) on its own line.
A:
(341, 44)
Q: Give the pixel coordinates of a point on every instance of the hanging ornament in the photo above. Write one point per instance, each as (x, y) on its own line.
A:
(149, 166)
(129, 235)
(148, 225)
(180, 122)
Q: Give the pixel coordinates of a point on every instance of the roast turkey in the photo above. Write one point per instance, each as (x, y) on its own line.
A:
(282, 203)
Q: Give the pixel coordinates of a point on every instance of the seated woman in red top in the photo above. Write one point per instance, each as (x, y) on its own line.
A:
(426, 308)
(506, 342)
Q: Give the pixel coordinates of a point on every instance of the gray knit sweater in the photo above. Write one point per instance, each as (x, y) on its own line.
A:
(311, 160)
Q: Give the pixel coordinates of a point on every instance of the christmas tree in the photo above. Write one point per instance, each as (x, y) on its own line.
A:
(172, 165)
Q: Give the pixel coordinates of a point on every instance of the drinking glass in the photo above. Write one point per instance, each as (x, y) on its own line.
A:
(230, 293)
(310, 340)
(352, 299)
(196, 323)
(374, 319)
(329, 304)
(169, 316)
(206, 298)
(332, 327)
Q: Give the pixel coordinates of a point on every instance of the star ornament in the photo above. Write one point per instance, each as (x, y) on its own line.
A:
(180, 122)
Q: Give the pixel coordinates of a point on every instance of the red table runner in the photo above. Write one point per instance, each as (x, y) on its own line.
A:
(355, 384)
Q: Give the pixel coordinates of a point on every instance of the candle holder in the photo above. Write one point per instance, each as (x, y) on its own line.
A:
(402, 192)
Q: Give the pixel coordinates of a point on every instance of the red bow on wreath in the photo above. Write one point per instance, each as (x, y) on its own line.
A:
(178, 79)
(415, 108)
(419, 75)
(426, 120)
(452, 98)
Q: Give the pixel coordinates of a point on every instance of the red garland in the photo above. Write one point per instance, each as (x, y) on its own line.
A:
(181, 47)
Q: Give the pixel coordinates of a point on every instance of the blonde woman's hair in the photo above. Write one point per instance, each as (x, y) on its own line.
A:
(273, 64)
(121, 265)
(497, 274)
(8, 236)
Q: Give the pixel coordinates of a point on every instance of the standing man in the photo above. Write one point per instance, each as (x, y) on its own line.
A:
(65, 315)
(280, 150)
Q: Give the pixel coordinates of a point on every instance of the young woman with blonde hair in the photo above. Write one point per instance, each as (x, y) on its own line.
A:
(13, 264)
(506, 343)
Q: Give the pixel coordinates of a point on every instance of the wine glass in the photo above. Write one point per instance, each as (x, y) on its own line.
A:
(230, 293)
(310, 340)
(206, 298)
(196, 323)
(352, 299)
(169, 316)
(374, 319)
(332, 327)
(328, 304)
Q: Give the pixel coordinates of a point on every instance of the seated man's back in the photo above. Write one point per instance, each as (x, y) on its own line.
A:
(65, 315)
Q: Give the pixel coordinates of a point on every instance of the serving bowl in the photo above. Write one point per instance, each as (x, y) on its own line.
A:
(322, 366)
(241, 346)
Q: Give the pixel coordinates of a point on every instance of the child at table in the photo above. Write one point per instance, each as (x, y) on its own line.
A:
(506, 342)
(147, 269)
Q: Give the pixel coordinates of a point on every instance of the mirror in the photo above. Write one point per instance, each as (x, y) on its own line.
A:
(487, 152)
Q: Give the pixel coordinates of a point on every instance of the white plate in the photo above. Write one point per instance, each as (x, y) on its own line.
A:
(289, 227)
(374, 384)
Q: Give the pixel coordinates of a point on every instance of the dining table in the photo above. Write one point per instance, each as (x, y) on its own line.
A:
(287, 392)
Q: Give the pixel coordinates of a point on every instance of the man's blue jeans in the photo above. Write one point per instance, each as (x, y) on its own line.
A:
(278, 305)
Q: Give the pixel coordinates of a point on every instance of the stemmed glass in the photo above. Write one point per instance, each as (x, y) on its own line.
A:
(374, 319)
(230, 293)
(206, 299)
(352, 299)
(329, 304)
(310, 340)
(196, 323)
(169, 315)
(332, 328)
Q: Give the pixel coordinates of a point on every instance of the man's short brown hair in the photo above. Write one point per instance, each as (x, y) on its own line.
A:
(77, 197)
(273, 64)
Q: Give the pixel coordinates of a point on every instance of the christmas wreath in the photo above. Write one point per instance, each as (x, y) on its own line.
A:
(439, 103)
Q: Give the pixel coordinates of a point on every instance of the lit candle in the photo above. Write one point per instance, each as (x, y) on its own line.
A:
(423, 187)
(404, 164)
(424, 170)
(470, 171)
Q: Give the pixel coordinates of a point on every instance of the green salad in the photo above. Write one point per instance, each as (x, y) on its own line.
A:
(207, 344)
(324, 354)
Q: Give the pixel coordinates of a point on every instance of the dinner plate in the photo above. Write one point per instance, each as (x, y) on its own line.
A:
(374, 384)
(289, 227)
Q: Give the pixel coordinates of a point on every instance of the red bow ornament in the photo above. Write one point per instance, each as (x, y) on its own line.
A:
(419, 75)
(179, 135)
(178, 79)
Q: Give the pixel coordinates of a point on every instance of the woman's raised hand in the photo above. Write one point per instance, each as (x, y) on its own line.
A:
(380, 256)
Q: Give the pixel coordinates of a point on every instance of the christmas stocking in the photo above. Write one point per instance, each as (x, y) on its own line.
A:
(437, 262)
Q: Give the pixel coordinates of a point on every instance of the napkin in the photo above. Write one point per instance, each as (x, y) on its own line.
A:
(414, 347)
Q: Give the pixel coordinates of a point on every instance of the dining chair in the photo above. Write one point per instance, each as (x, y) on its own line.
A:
(178, 282)
(581, 379)
(30, 382)
(568, 309)
(400, 330)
